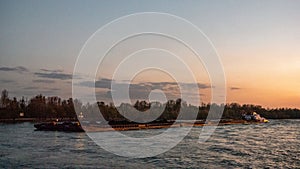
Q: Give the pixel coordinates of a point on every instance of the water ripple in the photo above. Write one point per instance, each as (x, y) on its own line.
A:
(272, 145)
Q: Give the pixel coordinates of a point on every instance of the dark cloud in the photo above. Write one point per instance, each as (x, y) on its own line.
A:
(43, 81)
(102, 83)
(6, 81)
(87, 84)
(54, 75)
(160, 85)
(203, 86)
(106, 84)
(56, 89)
(140, 90)
(235, 88)
(19, 69)
(200, 85)
(53, 71)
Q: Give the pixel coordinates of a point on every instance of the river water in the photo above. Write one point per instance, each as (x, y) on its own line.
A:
(272, 145)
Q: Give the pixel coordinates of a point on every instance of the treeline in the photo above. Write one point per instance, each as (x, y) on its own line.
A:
(171, 111)
(42, 107)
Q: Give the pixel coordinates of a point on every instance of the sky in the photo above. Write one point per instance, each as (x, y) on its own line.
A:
(257, 41)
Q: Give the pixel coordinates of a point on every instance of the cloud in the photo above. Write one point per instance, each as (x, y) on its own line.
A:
(54, 75)
(140, 90)
(19, 69)
(200, 85)
(53, 71)
(102, 83)
(43, 81)
(105, 83)
(6, 81)
(235, 88)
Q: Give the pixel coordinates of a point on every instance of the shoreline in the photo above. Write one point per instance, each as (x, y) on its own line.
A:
(33, 120)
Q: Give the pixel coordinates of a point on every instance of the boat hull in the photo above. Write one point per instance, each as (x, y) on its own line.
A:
(65, 126)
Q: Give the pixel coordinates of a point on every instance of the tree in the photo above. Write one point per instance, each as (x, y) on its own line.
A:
(4, 98)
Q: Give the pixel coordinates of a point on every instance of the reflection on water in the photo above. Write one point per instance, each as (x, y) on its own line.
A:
(273, 145)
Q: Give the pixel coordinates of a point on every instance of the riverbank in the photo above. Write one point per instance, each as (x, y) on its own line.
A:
(33, 120)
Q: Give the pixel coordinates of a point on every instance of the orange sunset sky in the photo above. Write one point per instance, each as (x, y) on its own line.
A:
(257, 41)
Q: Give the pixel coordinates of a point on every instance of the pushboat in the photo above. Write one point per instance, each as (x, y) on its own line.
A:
(67, 126)
(254, 117)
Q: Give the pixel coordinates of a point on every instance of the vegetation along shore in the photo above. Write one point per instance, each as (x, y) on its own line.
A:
(42, 108)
